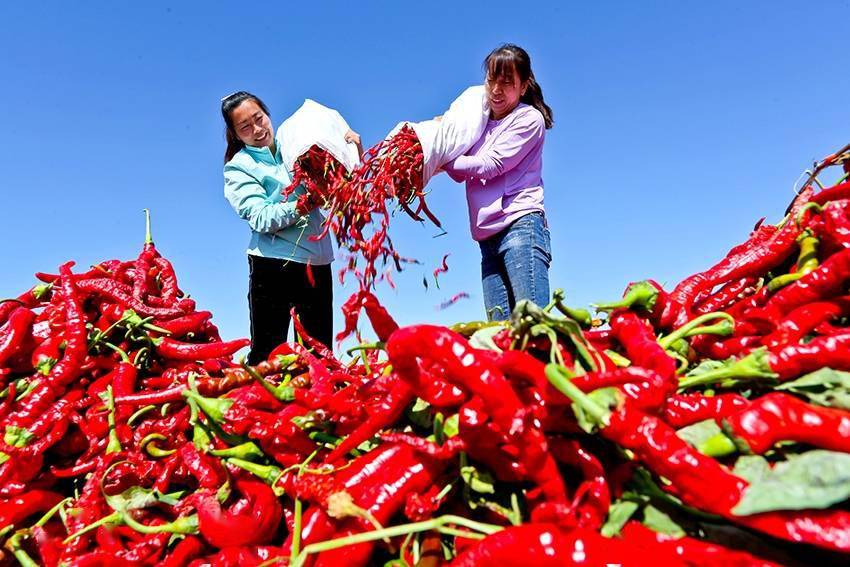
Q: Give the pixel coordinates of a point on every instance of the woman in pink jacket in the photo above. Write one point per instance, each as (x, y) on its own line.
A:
(504, 185)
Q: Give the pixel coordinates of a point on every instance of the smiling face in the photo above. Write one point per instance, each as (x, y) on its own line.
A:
(504, 91)
(252, 126)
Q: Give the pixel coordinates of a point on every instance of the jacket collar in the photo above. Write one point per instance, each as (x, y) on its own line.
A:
(264, 154)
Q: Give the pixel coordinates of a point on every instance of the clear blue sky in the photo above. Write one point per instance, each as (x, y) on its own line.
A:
(678, 125)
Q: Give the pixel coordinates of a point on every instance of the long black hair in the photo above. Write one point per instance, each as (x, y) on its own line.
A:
(509, 58)
(228, 105)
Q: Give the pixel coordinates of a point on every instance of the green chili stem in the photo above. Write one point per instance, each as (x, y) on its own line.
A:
(14, 545)
(213, 408)
(244, 451)
(754, 365)
(618, 358)
(283, 393)
(147, 444)
(438, 524)
(296, 529)
(805, 208)
(692, 325)
(112, 518)
(114, 444)
(718, 445)
(559, 378)
(50, 513)
(641, 294)
(182, 525)
(148, 238)
(139, 413)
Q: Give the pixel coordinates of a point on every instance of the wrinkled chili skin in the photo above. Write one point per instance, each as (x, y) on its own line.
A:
(798, 359)
(641, 346)
(176, 350)
(682, 410)
(834, 193)
(471, 372)
(66, 370)
(779, 417)
(827, 280)
(804, 319)
(252, 519)
(726, 295)
(14, 510)
(383, 493)
(14, 333)
(691, 474)
(546, 545)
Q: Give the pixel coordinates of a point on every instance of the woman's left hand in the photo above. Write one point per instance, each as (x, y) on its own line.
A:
(353, 137)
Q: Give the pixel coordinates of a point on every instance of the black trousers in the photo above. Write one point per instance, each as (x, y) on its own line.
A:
(275, 286)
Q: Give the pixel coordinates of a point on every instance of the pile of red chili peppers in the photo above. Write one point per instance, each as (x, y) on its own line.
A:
(130, 435)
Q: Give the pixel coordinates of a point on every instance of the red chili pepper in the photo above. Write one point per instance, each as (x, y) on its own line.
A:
(469, 371)
(592, 509)
(381, 320)
(779, 417)
(47, 354)
(641, 346)
(252, 519)
(727, 294)
(119, 293)
(206, 469)
(804, 319)
(381, 415)
(29, 299)
(547, 545)
(383, 493)
(689, 551)
(318, 347)
(682, 410)
(176, 350)
(182, 326)
(822, 283)
(14, 333)
(15, 510)
(700, 481)
(837, 223)
(721, 350)
(442, 269)
(67, 369)
(168, 279)
(835, 193)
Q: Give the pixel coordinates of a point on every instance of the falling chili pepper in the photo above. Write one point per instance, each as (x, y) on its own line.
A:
(452, 300)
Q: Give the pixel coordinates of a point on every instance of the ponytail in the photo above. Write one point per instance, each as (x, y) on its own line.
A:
(534, 97)
(509, 58)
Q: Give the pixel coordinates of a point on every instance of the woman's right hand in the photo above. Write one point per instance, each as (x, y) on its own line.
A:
(352, 137)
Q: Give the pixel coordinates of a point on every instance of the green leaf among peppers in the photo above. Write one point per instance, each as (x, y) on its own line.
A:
(814, 480)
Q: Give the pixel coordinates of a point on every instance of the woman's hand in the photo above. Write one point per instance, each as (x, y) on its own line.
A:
(352, 137)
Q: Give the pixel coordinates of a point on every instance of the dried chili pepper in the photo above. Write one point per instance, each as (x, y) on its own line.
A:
(252, 519)
(14, 333)
(682, 410)
(470, 372)
(175, 350)
(780, 417)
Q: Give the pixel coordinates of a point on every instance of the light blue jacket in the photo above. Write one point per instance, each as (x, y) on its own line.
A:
(253, 180)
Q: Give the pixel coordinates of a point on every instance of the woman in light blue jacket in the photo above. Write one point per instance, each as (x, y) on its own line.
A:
(287, 268)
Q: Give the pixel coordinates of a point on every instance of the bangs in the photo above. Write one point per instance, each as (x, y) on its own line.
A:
(501, 65)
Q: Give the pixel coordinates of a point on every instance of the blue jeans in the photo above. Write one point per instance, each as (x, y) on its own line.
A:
(515, 265)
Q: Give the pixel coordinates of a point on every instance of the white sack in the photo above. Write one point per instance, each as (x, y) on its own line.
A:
(461, 126)
(314, 124)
